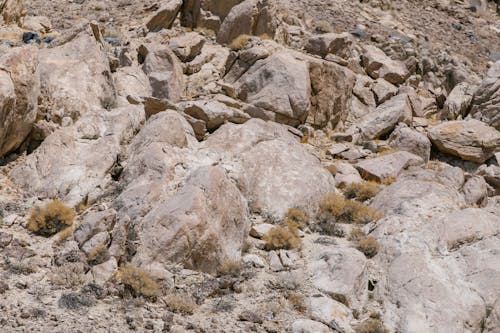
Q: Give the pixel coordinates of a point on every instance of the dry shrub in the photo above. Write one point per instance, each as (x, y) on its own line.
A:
(323, 26)
(356, 235)
(97, 254)
(387, 180)
(64, 235)
(230, 267)
(335, 208)
(332, 169)
(296, 217)
(281, 238)
(361, 191)
(51, 219)
(180, 302)
(369, 246)
(70, 275)
(239, 42)
(298, 301)
(371, 326)
(138, 281)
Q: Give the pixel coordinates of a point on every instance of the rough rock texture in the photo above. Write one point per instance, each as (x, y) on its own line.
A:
(19, 91)
(407, 139)
(486, 102)
(471, 140)
(378, 64)
(388, 166)
(164, 16)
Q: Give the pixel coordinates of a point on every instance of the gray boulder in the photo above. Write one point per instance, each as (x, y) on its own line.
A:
(387, 166)
(164, 16)
(486, 101)
(410, 140)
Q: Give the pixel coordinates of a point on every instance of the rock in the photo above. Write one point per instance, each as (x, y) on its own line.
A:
(19, 92)
(491, 174)
(363, 90)
(275, 262)
(410, 140)
(387, 115)
(98, 241)
(388, 166)
(131, 81)
(251, 316)
(339, 273)
(250, 17)
(331, 92)
(40, 24)
(92, 224)
(75, 79)
(279, 87)
(331, 313)
(195, 226)
(486, 101)
(383, 90)
(464, 227)
(164, 72)
(458, 101)
(254, 260)
(261, 229)
(186, 47)
(475, 190)
(309, 326)
(102, 273)
(75, 161)
(346, 174)
(378, 65)
(164, 16)
(213, 113)
(471, 140)
(5, 239)
(269, 157)
(324, 44)
(208, 14)
(12, 11)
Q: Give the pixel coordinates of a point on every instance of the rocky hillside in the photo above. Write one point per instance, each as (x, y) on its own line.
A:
(250, 166)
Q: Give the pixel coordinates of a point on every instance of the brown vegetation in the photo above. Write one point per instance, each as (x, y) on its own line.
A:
(361, 191)
(180, 303)
(51, 219)
(369, 246)
(230, 267)
(371, 326)
(138, 281)
(281, 238)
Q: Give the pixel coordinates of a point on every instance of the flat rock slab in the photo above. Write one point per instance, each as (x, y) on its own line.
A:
(387, 166)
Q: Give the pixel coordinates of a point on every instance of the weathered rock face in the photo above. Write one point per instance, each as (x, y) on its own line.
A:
(19, 91)
(187, 46)
(329, 43)
(74, 162)
(378, 64)
(458, 101)
(269, 157)
(486, 102)
(131, 82)
(386, 117)
(407, 139)
(251, 17)
(387, 166)
(471, 140)
(278, 87)
(201, 226)
(164, 16)
(75, 79)
(164, 71)
(206, 13)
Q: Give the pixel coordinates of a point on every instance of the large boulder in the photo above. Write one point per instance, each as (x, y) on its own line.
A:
(387, 166)
(75, 79)
(164, 17)
(19, 92)
(278, 87)
(458, 101)
(201, 226)
(164, 71)
(410, 140)
(208, 14)
(131, 82)
(274, 171)
(74, 163)
(471, 140)
(486, 102)
(378, 64)
(324, 44)
(385, 118)
(251, 17)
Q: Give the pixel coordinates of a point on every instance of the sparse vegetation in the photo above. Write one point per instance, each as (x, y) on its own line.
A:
(51, 219)
(98, 254)
(323, 26)
(230, 267)
(281, 237)
(369, 246)
(297, 301)
(64, 234)
(371, 326)
(69, 275)
(356, 235)
(180, 302)
(296, 217)
(361, 191)
(239, 42)
(138, 281)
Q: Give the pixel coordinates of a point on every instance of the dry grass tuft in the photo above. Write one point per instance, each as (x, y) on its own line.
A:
(297, 301)
(282, 238)
(369, 246)
(180, 303)
(98, 254)
(70, 275)
(323, 26)
(356, 235)
(64, 234)
(361, 191)
(239, 42)
(51, 219)
(371, 326)
(296, 217)
(138, 281)
(230, 267)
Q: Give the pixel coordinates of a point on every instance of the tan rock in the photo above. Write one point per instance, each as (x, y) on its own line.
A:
(164, 16)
